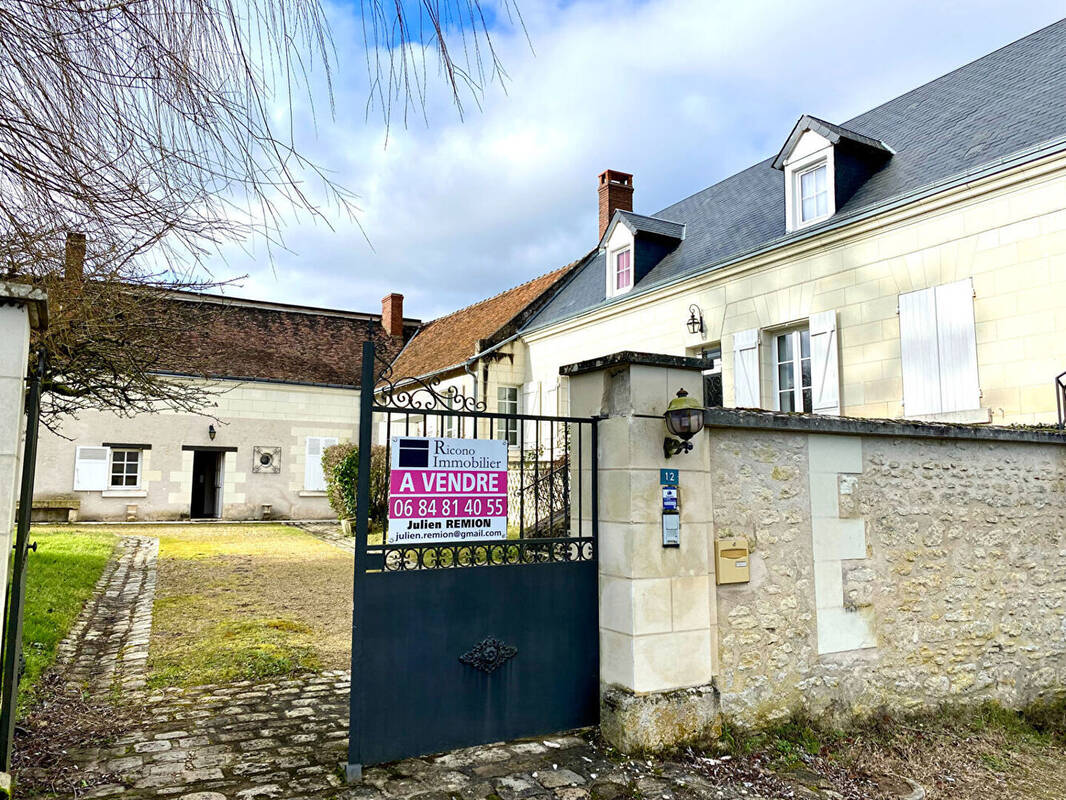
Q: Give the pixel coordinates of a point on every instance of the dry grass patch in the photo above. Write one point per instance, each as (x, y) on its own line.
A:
(962, 753)
(985, 753)
(247, 602)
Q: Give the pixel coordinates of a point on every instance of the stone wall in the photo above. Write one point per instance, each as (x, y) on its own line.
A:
(888, 571)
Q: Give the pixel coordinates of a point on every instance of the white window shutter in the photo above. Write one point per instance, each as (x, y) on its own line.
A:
(920, 353)
(746, 369)
(551, 408)
(314, 478)
(957, 343)
(825, 363)
(91, 469)
(530, 405)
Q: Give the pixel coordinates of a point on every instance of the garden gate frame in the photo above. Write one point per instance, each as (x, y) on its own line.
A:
(457, 644)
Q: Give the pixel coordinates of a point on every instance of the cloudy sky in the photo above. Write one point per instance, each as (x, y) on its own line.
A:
(682, 93)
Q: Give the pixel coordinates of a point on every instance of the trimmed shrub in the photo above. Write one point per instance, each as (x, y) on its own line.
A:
(340, 464)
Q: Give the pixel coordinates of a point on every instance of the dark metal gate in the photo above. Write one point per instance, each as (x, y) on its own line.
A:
(464, 643)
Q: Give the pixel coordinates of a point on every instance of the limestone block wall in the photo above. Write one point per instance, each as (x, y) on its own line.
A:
(888, 571)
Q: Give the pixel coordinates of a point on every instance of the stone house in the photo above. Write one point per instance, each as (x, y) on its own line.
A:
(474, 353)
(907, 263)
(285, 383)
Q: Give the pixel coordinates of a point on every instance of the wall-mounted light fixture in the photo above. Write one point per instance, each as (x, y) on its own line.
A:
(695, 319)
(211, 432)
(684, 419)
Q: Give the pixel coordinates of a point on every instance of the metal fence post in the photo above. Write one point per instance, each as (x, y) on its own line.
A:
(354, 769)
(12, 645)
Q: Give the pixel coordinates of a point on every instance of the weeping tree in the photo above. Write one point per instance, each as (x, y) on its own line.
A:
(137, 137)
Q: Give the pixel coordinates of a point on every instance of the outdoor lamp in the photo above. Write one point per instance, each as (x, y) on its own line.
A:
(684, 419)
(211, 432)
(695, 319)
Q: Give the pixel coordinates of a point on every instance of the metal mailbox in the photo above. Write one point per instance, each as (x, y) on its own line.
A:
(731, 559)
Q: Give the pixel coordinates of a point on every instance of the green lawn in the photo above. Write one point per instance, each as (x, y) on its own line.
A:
(60, 577)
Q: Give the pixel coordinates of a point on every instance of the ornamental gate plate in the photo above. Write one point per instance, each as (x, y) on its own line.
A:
(476, 613)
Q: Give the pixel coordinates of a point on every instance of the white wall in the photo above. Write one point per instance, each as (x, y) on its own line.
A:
(1006, 232)
(248, 414)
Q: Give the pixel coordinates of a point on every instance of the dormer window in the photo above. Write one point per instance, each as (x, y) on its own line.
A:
(824, 165)
(632, 246)
(814, 193)
(623, 270)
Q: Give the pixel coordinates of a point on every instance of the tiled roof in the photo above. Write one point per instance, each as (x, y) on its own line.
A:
(261, 341)
(1005, 104)
(449, 341)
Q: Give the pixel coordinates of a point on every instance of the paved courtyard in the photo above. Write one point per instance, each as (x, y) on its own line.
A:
(287, 738)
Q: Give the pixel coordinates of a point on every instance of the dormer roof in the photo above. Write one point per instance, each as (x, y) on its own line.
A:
(638, 223)
(827, 130)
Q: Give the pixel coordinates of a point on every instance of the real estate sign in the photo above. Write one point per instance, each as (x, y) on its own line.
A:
(447, 490)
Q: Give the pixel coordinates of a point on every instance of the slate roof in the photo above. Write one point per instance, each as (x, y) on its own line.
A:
(248, 340)
(449, 341)
(1008, 102)
(638, 223)
(834, 133)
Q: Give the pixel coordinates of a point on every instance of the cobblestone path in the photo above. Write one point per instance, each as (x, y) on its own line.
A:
(286, 740)
(109, 642)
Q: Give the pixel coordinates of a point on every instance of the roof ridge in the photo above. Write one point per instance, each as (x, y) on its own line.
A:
(652, 216)
(499, 294)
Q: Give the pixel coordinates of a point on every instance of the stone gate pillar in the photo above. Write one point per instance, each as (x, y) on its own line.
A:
(658, 620)
(22, 308)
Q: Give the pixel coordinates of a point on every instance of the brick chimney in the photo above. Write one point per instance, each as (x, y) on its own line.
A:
(616, 194)
(392, 314)
(74, 257)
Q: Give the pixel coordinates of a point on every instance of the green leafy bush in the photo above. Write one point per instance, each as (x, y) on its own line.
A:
(340, 463)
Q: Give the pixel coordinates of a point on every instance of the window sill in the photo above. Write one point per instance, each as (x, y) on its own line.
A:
(310, 493)
(124, 493)
(976, 416)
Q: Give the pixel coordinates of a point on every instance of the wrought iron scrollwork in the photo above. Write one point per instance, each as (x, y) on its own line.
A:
(404, 558)
(421, 394)
(488, 655)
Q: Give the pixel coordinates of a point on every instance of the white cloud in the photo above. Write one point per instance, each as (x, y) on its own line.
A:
(680, 92)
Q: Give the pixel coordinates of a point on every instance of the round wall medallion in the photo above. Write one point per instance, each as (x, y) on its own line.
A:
(266, 459)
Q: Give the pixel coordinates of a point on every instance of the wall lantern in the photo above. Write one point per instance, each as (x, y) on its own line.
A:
(695, 319)
(211, 432)
(684, 419)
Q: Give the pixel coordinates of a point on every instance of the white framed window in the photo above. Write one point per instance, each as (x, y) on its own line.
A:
(810, 186)
(812, 191)
(314, 478)
(623, 270)
(507, 403)
(792, 371)
(125, 469)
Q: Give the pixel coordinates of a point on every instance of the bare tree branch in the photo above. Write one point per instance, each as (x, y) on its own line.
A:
(163, 129)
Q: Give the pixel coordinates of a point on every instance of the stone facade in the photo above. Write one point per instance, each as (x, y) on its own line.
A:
(1006, 232)
(892, 564)
(957, 592)
(245, 414)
